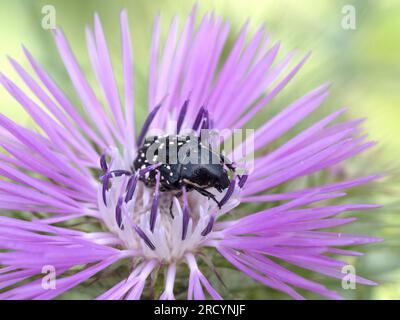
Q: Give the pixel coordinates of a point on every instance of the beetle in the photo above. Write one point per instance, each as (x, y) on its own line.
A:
(185, 161)
(193, 166)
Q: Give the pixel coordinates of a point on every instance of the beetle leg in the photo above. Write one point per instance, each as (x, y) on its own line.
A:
(207, 194)
(177, 195)
(202, 191)
(170, 209)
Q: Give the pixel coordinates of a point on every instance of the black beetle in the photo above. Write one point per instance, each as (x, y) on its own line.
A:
(185, 161)
(180, 162)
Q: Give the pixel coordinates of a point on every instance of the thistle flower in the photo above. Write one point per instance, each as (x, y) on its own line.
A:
(53, 173)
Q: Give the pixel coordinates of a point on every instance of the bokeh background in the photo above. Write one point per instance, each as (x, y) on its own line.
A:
(361, 64)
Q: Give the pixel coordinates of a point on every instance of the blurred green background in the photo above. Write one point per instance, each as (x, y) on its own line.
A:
(362, 65)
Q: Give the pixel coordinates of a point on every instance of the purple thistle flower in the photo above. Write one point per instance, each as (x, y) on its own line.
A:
(55, 171)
